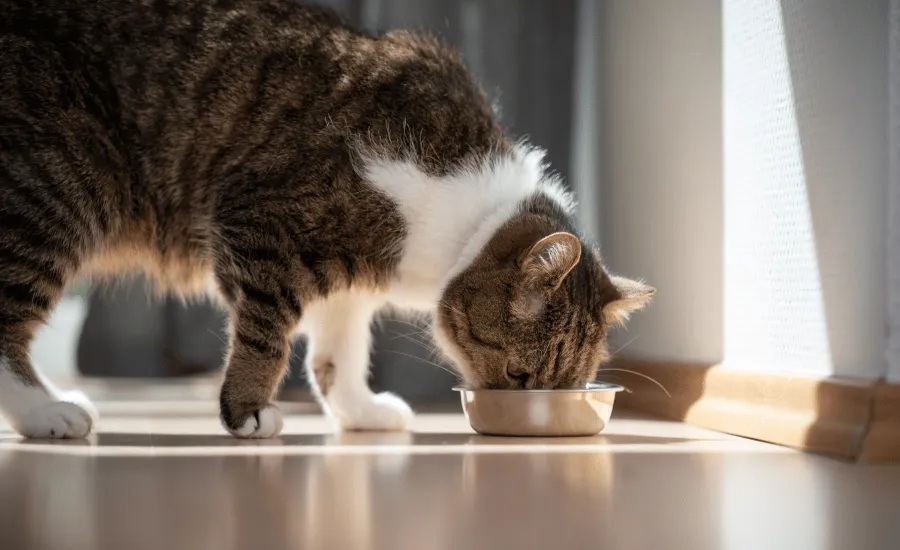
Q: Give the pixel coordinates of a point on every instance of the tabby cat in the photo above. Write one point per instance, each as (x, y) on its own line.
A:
(306, 173)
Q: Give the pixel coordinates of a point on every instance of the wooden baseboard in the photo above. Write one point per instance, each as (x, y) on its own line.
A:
(842, 417)
(882, 442)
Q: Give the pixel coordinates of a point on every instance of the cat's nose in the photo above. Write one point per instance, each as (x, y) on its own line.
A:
(519, 376)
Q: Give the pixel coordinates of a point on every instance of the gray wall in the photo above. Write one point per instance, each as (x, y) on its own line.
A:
(585, 161)
(894, 196)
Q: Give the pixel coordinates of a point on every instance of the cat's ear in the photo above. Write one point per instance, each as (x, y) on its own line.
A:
(632, 296)
(547, 262)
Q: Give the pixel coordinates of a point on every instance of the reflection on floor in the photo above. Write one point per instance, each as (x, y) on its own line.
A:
(160, 474)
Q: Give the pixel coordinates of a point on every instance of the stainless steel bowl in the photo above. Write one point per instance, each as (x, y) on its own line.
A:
(574, 412)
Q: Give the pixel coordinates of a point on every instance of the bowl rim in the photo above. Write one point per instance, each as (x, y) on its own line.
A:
(592, 387)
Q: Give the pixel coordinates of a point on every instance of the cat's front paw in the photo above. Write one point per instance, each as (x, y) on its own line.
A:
(261, 424)
(56, 420)
(381, 412)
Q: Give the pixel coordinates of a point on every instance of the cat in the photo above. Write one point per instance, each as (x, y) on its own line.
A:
(304, 172)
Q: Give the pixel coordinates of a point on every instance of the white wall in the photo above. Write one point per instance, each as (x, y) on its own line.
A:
(661, 210)
(805, 103)
(894, 197)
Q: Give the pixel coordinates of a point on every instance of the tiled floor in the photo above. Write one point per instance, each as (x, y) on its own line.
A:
(160, 474)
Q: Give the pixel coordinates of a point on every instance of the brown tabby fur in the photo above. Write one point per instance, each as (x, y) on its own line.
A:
(561, 344)
(211, 143)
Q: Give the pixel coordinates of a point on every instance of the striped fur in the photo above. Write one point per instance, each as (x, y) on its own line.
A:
(235, 146)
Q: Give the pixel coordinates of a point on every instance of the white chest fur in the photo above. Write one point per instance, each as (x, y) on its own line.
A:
(450, 219)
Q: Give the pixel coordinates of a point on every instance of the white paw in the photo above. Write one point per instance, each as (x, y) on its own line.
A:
(79, 398)
(261, 424)
(381, 412)
(56, 420)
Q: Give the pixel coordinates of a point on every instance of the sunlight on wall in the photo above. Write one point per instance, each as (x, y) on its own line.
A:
(774, 312)
(806, 168)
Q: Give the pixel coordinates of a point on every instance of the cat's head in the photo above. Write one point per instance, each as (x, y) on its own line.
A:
(533, 310)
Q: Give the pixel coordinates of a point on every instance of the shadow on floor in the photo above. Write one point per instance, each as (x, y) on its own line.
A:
(139, 440)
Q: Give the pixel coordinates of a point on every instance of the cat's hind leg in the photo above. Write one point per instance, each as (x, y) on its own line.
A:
(31, 282)
(337, 364)
(57, 202)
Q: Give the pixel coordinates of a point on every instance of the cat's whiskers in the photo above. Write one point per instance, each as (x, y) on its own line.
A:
(420, 337)
(419, 329)
(642, 375)
(613, 377)
(442, 367)
(651, 379)
(218, 336)
(429, 348)
(623, 346)
(451, 309)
